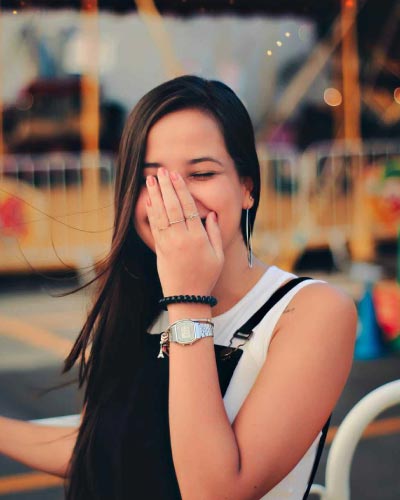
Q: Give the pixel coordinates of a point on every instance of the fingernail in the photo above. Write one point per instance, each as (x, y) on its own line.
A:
(174, 176)
(150, 181)
(163, 171)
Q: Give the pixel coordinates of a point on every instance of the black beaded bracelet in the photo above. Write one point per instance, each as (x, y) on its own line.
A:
(179, 299)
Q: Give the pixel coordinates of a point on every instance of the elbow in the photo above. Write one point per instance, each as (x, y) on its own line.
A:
(62, 471)
(232, 489)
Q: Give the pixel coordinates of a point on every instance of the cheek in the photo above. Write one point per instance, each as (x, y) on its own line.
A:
(229, 199)
(229, 216)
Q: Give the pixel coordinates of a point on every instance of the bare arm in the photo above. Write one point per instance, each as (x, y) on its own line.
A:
(42, 447)
(297, 387)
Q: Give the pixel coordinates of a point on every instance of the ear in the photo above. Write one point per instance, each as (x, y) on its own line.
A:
(247, 189)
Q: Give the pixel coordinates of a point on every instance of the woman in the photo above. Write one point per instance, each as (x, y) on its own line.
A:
(168, 420)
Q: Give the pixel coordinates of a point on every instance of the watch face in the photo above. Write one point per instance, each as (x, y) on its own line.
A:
(185, 332)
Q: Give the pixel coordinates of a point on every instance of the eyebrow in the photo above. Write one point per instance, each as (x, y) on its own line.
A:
(193, 161)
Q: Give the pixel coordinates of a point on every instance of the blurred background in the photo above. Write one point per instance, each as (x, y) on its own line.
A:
(321, 81)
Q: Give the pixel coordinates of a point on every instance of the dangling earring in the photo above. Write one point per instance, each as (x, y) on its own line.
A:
(248, 241)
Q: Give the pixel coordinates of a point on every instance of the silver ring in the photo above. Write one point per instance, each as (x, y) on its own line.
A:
(176, 221)
(192, 216)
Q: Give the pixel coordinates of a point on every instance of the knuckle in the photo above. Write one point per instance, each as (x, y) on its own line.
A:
(157, 220)
(174, 213)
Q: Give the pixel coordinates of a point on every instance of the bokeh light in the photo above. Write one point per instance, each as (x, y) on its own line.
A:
(279, 43)
(396, 95)
(269, 52)
(287, 34)
(332, 97)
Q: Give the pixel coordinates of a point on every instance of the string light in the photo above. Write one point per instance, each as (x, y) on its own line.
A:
(269, 52)
(332, 97)
(287, 34)
(279, 43)
(15, 12)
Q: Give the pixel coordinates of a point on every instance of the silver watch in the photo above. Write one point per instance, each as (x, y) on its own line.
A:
(187, 331)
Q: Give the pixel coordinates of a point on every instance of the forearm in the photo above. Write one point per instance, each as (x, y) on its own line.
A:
(45, 448)
(204, 447)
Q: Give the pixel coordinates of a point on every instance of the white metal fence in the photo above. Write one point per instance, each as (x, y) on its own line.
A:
(345, 197)
(56, 210)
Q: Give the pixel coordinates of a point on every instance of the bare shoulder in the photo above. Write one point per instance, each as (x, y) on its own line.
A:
(318, 304)
(322, 295)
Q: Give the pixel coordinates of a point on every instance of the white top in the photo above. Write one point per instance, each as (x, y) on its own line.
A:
(294, 485)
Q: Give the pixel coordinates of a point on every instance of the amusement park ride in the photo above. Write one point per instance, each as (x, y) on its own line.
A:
(58, 142)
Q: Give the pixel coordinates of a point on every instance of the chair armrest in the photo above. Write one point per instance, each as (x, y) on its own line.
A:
(64, 421)
(349, 434)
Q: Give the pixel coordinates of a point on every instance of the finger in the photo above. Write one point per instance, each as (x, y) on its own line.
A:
(187, 203)
(150, 216)
(214, 234)
(157, 214)
(171, 201)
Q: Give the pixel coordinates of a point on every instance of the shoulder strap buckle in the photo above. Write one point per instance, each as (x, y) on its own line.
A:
(242, 335)
(228, 351)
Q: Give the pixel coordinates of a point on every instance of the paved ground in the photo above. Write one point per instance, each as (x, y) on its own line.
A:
(35, 332)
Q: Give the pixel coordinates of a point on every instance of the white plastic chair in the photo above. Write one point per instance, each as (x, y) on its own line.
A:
(337, 473)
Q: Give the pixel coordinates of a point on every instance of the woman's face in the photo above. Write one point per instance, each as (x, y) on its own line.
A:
(189, 142)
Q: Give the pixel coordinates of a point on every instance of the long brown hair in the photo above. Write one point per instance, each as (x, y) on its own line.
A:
(109, 346)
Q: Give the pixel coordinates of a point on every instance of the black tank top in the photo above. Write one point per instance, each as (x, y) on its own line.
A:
(132, 454)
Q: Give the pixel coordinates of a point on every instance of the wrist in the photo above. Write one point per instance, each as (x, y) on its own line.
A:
(188, 310)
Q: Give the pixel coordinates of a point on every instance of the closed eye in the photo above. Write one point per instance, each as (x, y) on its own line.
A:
(203, 175)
